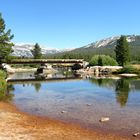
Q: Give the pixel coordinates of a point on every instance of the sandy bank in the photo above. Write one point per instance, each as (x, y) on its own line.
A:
(16, 125)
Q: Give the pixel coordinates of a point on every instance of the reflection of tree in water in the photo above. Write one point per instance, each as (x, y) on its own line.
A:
(121, 87)
(103, 82)
(37, 86)
(122, 91)
(10, 88)
(135, 84)
(7, 96)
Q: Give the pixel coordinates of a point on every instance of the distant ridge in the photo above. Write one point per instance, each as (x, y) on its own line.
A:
(111, 41)
(24, 50)
(104, 46)
(108, 43)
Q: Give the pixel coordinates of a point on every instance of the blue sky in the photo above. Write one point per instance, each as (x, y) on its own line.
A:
(70, 23)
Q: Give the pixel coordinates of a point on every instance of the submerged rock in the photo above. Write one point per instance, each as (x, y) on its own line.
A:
(88, 104)
(63, 111)
(136, 134)
(104, 119)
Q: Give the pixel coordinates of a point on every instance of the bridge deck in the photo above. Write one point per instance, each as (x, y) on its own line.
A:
(21, 81)
(42, 61)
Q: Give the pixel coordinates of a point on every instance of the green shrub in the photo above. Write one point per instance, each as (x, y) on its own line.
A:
(9, 58)
(128, 69)
(4, 96)
(102, 60)
(2, 86)
(2, 82)
(135, 62)
(2, 74)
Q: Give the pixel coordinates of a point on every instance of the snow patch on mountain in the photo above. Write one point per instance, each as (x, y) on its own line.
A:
(131, 38)
(108, 41)
(104, 42)
(24, 50)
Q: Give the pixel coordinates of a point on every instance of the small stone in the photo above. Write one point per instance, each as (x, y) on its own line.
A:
(104, 119)
(88, 104)
(136, 134)
(63, 111)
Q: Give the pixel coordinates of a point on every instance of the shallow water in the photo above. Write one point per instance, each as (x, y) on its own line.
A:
(84, 101)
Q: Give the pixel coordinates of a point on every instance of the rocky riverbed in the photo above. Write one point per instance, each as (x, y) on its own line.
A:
(16, 125)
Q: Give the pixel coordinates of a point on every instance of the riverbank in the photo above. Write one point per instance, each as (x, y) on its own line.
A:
(17, 125)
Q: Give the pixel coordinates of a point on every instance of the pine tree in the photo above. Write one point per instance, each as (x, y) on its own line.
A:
(122, 51)
(5, 40)
(37, 51)
(100, 61)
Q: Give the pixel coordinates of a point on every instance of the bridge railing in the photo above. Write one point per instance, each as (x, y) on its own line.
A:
(41, 61)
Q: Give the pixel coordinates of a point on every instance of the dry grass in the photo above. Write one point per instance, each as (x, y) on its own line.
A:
(136, 66)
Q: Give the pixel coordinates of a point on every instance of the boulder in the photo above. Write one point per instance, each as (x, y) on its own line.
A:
(136, 134)
(8, 68)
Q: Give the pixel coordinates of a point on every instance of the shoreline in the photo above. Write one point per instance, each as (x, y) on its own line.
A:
(16, 124)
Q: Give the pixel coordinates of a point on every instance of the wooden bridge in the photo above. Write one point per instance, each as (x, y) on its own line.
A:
(33, 80)
(44, 61)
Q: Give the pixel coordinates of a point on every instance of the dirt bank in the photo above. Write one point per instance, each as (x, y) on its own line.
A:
(16, 125)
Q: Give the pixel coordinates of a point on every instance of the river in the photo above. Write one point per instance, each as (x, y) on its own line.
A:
(81, 100)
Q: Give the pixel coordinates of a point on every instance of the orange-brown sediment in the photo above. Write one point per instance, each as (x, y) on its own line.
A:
(18, 125)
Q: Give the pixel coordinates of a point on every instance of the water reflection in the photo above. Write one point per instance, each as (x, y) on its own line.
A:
(37, 86)
(122, 91)
(122, 87)
(83, 100)
(7, 96)
(106, 82)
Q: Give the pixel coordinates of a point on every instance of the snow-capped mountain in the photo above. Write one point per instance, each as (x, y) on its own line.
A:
(25, 50)
(109, 41)
(95, 47)
(107, 46)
